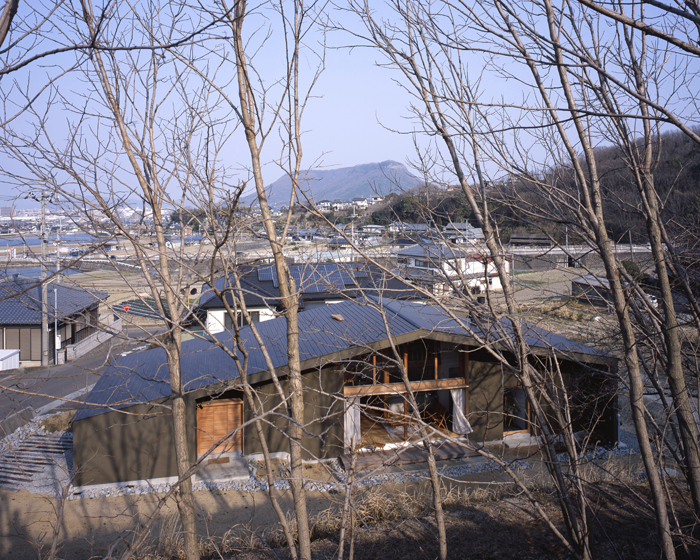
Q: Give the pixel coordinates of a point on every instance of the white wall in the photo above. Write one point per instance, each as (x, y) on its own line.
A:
(215, 320)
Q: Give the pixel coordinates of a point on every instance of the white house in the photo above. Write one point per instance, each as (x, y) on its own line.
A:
(339, 205)
(442, 267)
(360, 202)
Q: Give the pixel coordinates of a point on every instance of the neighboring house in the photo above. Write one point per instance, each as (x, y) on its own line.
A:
(319, 284)
(372, 230)
(339, 205)
(76, 310)
(354, 393)
(376, 199)
(463, 232)
(360, 202)
(302, 234)
(409, 229)
(440, 268)
(324, 205)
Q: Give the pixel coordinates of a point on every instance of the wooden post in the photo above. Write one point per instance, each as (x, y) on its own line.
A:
(464, 365)
(435, 356)
(374, 369)
(405, 420)
(385, 400)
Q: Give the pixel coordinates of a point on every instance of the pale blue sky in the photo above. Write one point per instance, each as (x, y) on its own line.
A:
(354, 100)
(344, 124)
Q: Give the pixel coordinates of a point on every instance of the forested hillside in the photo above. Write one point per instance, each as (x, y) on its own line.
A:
(677, 178)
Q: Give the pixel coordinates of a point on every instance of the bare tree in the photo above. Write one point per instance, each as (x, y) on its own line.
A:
(429, 45)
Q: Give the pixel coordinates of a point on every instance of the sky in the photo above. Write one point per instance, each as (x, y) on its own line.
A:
(351, 119)
(346, 123)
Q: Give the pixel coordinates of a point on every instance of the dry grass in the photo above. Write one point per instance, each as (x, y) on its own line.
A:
(493, 521)
(58, 422)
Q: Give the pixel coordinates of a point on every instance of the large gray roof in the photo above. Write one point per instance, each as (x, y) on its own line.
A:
(20, 300)
(143, 377)
(315, 281)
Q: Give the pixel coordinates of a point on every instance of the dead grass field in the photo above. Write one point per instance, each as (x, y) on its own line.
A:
(486, 518)
(482, 523)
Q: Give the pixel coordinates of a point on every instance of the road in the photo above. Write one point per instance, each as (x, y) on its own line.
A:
(43, 388)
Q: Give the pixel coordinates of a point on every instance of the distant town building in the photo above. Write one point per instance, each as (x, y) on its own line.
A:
(462, 232)
(530, 239)
(339, 205)
(7, 211)
(360, 202)
(408, 229)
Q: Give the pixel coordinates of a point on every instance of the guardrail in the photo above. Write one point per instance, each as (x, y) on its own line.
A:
(74, 351)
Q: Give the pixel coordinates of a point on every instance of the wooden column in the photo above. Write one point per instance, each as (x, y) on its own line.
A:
(405, 414)
(464, 364)
(385, 399)
(435, 356)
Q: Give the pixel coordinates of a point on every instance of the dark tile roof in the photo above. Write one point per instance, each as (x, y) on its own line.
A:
(20, 300)
(143, 377)
(317, 282)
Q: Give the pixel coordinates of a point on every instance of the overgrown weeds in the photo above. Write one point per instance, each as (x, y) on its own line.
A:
(58, 422)
(390, 523)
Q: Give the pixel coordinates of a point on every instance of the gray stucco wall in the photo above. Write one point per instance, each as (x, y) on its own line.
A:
(485, 401)
(131, 444)
(137, 443)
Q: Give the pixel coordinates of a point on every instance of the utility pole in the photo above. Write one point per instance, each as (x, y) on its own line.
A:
(42, 197)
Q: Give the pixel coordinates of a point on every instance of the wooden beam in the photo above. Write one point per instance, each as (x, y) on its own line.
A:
(400, 388)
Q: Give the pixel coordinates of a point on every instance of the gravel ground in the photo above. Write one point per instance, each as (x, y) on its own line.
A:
(55, 478)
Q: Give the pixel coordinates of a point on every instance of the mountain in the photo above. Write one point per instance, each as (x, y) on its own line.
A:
(345, 183)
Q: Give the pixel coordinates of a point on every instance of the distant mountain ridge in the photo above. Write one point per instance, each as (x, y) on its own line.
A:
(345, 183)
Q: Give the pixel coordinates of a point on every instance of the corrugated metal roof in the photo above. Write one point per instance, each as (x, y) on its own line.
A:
(20, 300)
(143, 377)
(334, 281)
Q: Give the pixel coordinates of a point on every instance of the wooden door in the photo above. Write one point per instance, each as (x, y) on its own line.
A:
(215, 420)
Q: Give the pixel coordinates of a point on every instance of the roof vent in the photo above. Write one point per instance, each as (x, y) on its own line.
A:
(338, 317)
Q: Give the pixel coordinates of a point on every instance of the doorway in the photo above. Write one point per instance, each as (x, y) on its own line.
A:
(516, 411)
(215, 420)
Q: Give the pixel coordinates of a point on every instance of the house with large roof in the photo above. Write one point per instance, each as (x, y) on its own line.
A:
(354, 391)
(73, 309)
(318, 284)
